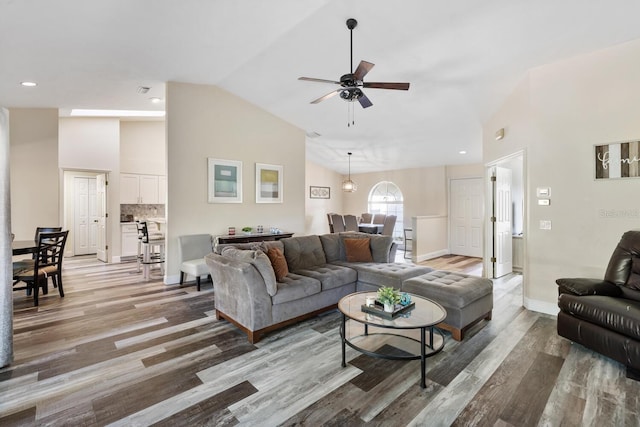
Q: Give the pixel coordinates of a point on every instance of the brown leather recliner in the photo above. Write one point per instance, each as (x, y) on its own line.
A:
(604, 315)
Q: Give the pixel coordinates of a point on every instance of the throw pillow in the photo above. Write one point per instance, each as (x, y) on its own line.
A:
(358, 250)
(279, 263)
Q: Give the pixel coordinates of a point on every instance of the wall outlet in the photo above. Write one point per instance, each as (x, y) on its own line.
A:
(545, 224)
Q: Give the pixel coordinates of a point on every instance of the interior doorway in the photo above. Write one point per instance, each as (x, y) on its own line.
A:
(505, 212)
(84, 213)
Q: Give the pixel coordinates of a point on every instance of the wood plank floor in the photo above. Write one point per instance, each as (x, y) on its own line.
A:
(118, 350)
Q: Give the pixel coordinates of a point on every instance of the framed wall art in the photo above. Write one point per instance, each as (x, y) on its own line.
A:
(617, 160)
(269, 183)
(319, 192)
(224, 181)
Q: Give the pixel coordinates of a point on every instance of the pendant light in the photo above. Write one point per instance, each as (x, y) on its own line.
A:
(348, 185)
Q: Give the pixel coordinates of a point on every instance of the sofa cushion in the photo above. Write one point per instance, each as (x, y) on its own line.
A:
(448, 288)
(303, 252)
(279, 263)
(259, 260)
(616, 314)
(357, 250)
(330, 275)
(387, 274)
(295, 287)
(331, 245)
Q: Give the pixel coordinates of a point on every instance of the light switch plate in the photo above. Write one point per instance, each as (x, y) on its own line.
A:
(543, 191)
(545, 224)
(544, 202)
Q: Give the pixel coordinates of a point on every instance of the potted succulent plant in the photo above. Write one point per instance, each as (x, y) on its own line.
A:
(388, 296)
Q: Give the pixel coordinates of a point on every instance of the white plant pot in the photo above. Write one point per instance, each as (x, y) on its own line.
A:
(388, 307)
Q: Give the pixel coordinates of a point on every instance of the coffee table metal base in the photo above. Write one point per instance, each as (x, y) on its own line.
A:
(431, 342)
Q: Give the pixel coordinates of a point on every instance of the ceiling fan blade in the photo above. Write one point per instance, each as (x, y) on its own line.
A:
(327, 96)
(311, 79)
(363, 68)
(380, 85)
(364, 101)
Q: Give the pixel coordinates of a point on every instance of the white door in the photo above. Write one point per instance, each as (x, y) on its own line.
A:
(85, 220)
(101, 216)
(466, 217)
(502, 228)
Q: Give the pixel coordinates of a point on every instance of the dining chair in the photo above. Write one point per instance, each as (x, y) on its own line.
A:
(338, 223)
(330, 222)
(378, 219)
(366, 218)
(350, 223)
(388, 225)
(35, 239)
(47, 263)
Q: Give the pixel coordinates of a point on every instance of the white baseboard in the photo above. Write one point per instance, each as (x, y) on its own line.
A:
(541, 306)
(432, 255)
(115, 259)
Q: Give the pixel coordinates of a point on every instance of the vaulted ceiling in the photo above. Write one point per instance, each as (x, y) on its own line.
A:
(462, 59)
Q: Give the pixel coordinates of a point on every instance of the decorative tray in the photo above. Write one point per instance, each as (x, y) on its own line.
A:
(378, 310)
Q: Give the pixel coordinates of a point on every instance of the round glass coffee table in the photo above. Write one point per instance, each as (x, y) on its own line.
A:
(409, 336)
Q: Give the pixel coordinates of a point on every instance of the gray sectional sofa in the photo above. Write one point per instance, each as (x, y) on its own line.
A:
(247, 294)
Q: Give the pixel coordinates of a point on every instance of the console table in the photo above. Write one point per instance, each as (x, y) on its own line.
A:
(252, 237)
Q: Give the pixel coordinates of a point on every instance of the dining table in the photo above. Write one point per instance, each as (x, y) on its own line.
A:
(371, 228)
(22, 247)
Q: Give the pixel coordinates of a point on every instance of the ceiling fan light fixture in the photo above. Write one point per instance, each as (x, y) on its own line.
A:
(348, 186)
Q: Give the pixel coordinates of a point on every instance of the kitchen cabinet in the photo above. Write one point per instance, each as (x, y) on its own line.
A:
(141, 189)
(129, 239)
(162, 189)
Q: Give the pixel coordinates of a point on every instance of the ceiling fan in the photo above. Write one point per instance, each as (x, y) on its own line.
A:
(351, 84)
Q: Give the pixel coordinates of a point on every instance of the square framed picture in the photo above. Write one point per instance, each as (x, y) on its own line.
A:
(269, 183)
(224, 181)
(319, 192)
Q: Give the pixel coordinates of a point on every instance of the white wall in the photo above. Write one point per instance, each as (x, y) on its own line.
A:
(557, 114)
(317, 209)
(143, 147)
(33, 136)
(206, 121)
(424, 191)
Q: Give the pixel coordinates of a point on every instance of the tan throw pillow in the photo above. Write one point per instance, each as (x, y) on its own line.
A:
(279, 263)
(358, 250)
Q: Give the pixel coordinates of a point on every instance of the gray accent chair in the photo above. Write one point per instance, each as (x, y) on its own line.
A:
(191, 251)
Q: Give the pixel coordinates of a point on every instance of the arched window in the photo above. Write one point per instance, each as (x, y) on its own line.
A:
(385, 197)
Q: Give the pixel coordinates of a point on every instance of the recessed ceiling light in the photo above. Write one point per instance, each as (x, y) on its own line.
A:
(462, 152)
(155, 100)
(29, 84)
(115, 113)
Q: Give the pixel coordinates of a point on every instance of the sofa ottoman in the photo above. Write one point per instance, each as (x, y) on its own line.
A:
(372, 276)
(467, 299)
